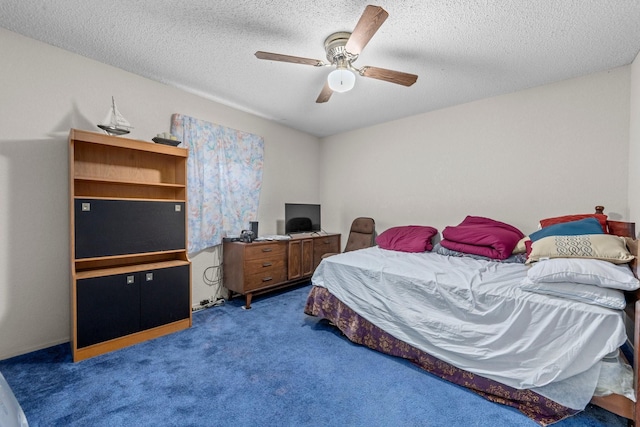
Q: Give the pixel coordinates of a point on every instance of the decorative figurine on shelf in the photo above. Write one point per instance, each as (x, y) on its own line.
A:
(114, 123)
(167, 139)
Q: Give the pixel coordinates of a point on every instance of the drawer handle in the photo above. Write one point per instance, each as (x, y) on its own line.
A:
(266, 279)
(267, 249)
(267, 264)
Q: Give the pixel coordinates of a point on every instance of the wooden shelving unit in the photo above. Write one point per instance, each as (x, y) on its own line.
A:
(131, 276)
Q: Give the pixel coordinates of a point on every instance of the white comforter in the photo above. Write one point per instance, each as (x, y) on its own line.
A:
(474, 315)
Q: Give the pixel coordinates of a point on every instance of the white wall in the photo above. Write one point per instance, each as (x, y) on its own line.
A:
(45, 91)
(634, 143)
(552, 150)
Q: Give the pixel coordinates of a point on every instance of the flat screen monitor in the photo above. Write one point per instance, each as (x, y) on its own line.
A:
(301, 218)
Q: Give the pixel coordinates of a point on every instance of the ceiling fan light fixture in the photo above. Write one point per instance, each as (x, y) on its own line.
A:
(343, 49)
(341, 80)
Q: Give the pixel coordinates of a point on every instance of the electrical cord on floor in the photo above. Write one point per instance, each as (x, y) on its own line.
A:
(205, 303)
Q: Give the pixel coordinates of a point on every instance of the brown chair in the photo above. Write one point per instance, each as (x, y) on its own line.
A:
(361, 235)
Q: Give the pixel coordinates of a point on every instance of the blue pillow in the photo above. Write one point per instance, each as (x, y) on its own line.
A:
(572, 228)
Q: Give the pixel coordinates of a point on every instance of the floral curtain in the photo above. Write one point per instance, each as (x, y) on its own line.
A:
(224, 177)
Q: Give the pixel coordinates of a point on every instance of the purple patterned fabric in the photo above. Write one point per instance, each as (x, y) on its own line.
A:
(321, 303)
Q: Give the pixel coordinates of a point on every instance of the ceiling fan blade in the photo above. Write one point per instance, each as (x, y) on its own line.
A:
(371, 19)
(325, 94)
(391, 76)
(288, 58)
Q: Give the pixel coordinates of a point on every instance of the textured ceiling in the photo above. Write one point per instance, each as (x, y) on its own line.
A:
(462, 50)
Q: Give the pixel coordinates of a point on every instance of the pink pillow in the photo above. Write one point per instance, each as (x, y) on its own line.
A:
(482, 236)
(408, 238)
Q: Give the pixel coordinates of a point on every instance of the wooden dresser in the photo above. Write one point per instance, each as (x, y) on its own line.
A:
(257, 267)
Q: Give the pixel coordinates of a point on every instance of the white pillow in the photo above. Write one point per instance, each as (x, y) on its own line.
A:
(584, 271)
(604, 297)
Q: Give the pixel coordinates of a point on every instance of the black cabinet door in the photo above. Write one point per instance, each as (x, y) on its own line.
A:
(110, 307)
(164, 296)
(118, 227)
(107, 307)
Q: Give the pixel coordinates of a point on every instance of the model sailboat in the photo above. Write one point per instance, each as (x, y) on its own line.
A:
(114, 123)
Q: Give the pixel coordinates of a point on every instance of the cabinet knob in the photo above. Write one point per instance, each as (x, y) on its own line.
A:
(267, 264)
(267, 249)
(266, 279)
(131, 280)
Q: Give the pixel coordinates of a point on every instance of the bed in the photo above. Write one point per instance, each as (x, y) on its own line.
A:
(11, 413)
(490, 323)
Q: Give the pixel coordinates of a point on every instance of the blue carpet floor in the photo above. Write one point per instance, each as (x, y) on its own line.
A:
(268, 366)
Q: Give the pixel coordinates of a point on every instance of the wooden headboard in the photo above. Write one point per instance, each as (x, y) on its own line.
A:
(615, 403)
(619, 228)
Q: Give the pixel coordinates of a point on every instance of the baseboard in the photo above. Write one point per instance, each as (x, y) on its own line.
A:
(26, 350)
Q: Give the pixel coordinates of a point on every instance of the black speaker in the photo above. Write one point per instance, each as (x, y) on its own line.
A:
(254, 227)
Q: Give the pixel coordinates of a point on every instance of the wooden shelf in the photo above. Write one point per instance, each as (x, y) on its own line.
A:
(129, 198)
(141, 199)
(129, 144)
(123, 182)
(128, 269)
(118, 261)
(119, 168)
(114, 189)
(118, 343)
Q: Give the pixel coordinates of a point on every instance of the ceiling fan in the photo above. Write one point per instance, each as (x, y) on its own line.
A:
(342, 50)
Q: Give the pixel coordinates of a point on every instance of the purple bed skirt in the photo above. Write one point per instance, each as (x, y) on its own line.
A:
(321, 303)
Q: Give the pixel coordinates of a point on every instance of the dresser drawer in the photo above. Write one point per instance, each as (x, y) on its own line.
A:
(259, 266)
(265, 251)
(266, 278)
(326, 244)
